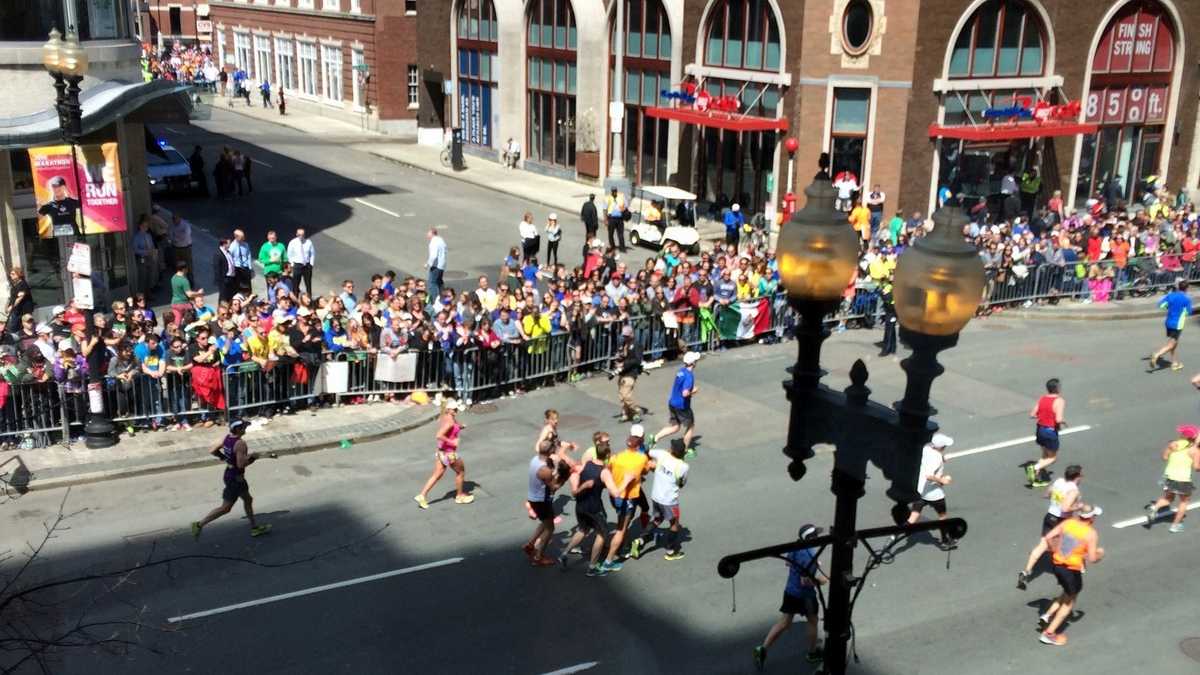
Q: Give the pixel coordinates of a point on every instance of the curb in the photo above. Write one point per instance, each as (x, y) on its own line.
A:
(240, 110)
(284, 444)
(1124, 315)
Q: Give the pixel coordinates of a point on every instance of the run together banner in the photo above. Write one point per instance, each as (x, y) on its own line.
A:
(63, 208)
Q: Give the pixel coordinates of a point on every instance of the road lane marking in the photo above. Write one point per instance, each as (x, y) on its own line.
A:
(259, 161)
(577, 668)
(1009, 444)
(315, 589)
(1162, 515)
(377, 207)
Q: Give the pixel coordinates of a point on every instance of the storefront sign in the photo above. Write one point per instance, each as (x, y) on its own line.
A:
(1023, 108)
(203, 26)
(81, 288)
(64, 209)
(1127, 105)
(80, 261)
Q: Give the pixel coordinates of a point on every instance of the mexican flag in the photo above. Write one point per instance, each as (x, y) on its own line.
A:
(744, 319)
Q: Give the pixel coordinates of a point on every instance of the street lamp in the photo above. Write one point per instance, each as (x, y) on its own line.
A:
(67, 63)
(939, 281)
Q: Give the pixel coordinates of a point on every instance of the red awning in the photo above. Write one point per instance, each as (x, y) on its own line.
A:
(1012, 131)
(718, 120)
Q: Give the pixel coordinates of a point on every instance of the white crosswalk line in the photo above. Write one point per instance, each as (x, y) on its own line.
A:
(1008, 444)
(1162, 515)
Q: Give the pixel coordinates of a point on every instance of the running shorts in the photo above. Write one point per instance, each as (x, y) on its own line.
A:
(1047, 437)
(682, 416)
(1174, 333)
(624, 507)
(543, 510)
(1049, 522)
(1183, 488)
(805, 604)
(235, 489)
(446, 458)
(592, 522)
(662, 512)
(938, 505)
(1070, 580)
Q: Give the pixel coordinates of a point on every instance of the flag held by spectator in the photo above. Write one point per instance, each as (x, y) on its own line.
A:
(744, 319)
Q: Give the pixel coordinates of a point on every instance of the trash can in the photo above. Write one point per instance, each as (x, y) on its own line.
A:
(456, 150)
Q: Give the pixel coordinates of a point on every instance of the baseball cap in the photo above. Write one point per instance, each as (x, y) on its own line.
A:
(637, 430)
(43, 329)
(808, 531)
(1188, 431)
(552, 216)
(455, 404)
(238, 425)
(1090, 511)
(58, 309)
(941, 441)
(735, 207)
(690, 358)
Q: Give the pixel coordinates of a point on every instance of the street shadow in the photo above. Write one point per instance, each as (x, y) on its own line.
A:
(464, 608)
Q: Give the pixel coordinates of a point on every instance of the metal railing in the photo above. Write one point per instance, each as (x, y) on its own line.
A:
(1102, 281)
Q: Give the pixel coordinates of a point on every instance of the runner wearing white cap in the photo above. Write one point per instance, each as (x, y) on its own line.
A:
(931, 481)
(680, 403)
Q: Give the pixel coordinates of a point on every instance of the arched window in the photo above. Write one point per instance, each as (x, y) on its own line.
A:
(647, 73)
(1003, 38)
(552, 39)
(742, 34)
(477, 69)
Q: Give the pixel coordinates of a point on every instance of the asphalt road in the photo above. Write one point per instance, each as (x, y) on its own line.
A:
(483, 609)
(365, 214)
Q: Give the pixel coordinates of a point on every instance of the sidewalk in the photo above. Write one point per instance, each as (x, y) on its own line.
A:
(564, 196)
(1129, 308)
(156, 452)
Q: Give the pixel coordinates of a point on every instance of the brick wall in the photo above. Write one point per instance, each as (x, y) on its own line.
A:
(433, 54)
(157, 19)
(396, 42)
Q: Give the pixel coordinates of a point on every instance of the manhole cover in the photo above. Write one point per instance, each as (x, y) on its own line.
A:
(484, 408)
(454, 275)
(1191, 648)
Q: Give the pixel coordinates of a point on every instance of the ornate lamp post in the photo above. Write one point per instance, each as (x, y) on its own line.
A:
(939, 281)
(67, 63)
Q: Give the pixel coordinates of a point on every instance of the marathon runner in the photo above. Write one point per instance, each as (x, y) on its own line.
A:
(1048, 413)
(680, 403)
(1179, 307)
(931, 484)
(545, 477)
(799, 597)
(446, 456)
(587, 485)
(1074, 544)
(627, 467)
(234, 452)
(670, 475)
(1182, 457)
(1064, 498)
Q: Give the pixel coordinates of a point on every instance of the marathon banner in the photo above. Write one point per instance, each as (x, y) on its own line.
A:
(63, 208)
(744, 319)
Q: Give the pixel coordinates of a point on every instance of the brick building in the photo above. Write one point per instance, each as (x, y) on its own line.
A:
(161, 23)
(351, 59)
(864, 80)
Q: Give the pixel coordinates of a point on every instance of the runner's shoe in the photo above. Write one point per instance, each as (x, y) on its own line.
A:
(614, 566)
(578, 550)
(596, 571)
(421, 501)
(635, 548)
(562, 562)
(690, 454)
(1175, 528)
(760, 657)
(1052, 639)
(1176, 366)
(1039, 483)
(196, 530)
(1043, 621)
(465, 499)
(260, 530)
(674, 555)
(1022, 580)
(528, 549)
(1030, 476)
(542, 561)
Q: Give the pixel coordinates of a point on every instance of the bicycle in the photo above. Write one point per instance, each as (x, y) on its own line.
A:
(445, 157)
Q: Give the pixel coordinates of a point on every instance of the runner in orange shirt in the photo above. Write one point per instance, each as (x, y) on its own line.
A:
(627, 468)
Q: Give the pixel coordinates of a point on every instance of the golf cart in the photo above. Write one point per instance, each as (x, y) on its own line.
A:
(664, 199)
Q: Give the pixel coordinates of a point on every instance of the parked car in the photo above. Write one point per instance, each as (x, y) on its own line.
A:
(664, 198)
(169, 170)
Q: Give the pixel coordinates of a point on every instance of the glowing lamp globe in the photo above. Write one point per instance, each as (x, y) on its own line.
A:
(817, 250)
(939, 279)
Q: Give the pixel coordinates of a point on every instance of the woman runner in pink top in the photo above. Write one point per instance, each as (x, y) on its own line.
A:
(446, 455)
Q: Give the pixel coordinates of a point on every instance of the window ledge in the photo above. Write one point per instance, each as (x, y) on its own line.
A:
(414, 106)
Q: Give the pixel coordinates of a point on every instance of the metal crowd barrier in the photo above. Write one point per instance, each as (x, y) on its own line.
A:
(1085, 280)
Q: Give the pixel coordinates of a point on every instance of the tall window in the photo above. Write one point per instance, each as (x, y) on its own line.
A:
(413, 82)
(308, 67)
(285, 64)
(175, 17)
(848, 131)
(331, 70)
(242, 53)
(1003, 38)
(410, 6)
(477, 69)
(552, 40)
(742, 34)
(262, 57)
(358, 63)
(647, 73)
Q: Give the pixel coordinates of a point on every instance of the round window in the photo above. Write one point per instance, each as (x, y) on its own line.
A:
(858, 23)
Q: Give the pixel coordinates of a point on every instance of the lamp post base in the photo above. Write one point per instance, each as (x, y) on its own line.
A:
(99, 432)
